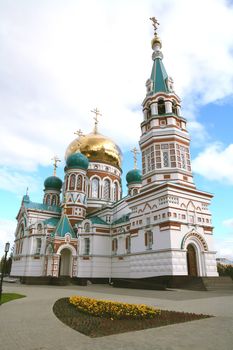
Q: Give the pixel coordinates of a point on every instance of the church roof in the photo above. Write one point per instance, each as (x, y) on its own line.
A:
(51, 221)
(123, 218)
(97, 220)
(64, 227)
(159, 77)
(41, 206)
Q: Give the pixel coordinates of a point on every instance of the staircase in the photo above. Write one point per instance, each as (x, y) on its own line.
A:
(218, 283)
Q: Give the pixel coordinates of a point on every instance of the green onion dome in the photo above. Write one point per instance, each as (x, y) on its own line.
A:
(77, 161)
(134, 176)
(53, 183)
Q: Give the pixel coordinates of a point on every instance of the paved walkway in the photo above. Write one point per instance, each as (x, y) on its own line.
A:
(29, 323)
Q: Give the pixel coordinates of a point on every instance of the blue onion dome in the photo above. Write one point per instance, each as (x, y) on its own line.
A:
(77, 161)
(134, 176)
(53, 183)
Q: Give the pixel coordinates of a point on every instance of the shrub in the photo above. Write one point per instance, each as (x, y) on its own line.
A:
(225, 270)
(113, 309)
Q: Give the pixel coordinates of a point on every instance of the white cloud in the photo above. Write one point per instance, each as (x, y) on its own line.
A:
(215, 163)
(228, 222)
(59, 60)
(224, 246)
(7, 230)
(16, 182)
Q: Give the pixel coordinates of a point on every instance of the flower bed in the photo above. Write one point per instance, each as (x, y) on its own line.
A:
(93, 326)
(113, 309)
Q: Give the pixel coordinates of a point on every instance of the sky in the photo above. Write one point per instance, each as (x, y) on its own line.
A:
(59, 59)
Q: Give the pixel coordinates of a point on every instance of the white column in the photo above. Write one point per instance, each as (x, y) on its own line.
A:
(145, 114)
(168, 107)
(154, 108)
(178, 111)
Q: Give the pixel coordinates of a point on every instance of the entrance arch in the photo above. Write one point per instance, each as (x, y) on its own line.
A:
(65, 262)
(191, 260)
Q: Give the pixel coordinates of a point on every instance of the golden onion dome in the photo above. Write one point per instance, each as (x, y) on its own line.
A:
(156, 41)
(97, 148)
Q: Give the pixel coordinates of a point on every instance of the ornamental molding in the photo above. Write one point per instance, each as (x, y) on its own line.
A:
(197, 237)
(149, 207)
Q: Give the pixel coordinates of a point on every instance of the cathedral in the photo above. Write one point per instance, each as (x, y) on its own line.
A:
(86, 229)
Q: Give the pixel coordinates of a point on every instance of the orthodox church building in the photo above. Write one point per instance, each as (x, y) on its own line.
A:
(85, 229)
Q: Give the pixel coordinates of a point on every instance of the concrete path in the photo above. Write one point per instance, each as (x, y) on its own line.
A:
(29, 323)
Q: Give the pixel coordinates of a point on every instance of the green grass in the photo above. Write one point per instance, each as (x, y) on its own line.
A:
(10, 296)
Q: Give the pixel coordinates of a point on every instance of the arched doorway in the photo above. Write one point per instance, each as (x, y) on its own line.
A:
(65, 262)
(191, 260)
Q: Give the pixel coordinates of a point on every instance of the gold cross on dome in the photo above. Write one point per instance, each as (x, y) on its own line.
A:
(135, 152)
(97, 113)
(79, 133)
(155, 23)
(56, 160)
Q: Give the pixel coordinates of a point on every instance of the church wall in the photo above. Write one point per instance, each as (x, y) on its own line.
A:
(149, 264)
(120, 267)
(161, 240)
(28, 266)
(94, 266)
(210, 263)
(100, 244)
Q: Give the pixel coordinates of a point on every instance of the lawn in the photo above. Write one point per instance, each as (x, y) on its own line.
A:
(94, 326)
(10, 296)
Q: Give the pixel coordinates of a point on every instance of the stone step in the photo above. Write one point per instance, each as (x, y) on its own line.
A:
(218, 283)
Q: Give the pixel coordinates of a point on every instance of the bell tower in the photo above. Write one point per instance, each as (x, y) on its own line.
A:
(164, 141)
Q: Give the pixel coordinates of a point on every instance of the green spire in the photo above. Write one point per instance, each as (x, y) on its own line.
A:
(159, 77)
(158, 81)
(64, 227)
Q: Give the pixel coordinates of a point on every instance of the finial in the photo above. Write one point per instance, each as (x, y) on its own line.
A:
(155, 24)
(79, 133)
(56, 160)
(135, 152)
(97, 113)
(156, 43)
(27, 191)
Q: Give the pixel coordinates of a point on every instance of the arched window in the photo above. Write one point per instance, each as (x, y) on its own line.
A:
(106, 189)
(115, 192)
(161, 107)
(79, 182)
(47, 201)
(148, 114)
(72, 182)
(174, 107)
(66, 185)
(95, 188)
(135, 191)
(114, 246)
(128, 244)
(39, 228)
(54, 202)
(20, 242)
(87, 227)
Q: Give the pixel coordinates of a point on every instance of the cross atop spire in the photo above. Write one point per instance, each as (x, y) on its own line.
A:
(155, 24)
(97, 113)
(135, 152)
(56, 160)
(79, 133)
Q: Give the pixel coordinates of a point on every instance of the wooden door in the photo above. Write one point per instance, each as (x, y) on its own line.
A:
(191, 260)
